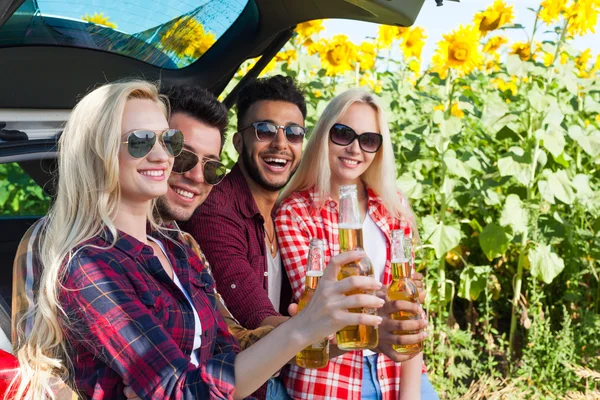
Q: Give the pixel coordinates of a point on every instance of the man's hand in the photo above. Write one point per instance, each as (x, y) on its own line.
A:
(130, 394)
(417, 278)
(387, 338)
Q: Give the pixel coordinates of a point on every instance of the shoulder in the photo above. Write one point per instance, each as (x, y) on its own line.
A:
(300, 200)
(96, 256)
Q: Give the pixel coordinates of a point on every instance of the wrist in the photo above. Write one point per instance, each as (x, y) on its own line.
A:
(299, 331)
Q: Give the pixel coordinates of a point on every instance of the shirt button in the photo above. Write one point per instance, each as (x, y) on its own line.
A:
(382, 377)
(266, 273)
(233, 286)
(332, 203)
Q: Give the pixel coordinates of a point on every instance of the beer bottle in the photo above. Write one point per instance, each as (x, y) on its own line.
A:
(402, 287)
(354, 337)
(315, 355)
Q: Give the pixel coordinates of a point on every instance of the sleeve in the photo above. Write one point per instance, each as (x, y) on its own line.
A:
(108, 319)
(222, 238)
(293, 239)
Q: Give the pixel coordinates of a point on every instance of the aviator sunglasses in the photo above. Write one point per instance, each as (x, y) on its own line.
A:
(141, 141)
(213, 170)
(343, 135)
(266, 132)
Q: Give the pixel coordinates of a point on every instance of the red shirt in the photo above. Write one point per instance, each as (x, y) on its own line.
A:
(229, 228)
(128, 321)
(299, 219)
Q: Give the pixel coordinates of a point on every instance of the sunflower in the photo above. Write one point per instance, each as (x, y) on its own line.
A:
(387, 34)
(374, 84)
(99, 19)
(582, 16)
(494, 43)
(551, 10)
(187, 38)
(582, 61)
(286, 56)
(439, 107)
(317, 93)
(459, 50)
(456, 111)
(523, 50)
(494, 17)
(414, 66)
(367, 55)
(338, 55)
(413, 41)
(503, 86)
(307, 29)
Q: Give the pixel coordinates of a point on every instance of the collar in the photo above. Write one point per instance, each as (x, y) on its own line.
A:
(374, 200)
(130, 245)
(241, 191)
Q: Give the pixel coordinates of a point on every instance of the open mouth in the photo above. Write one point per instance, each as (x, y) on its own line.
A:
(276, 163)
(154, 174)
(349, 162)
(184, 194)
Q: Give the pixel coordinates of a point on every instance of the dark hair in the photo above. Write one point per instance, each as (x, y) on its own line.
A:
(277, 88)
(200, 104)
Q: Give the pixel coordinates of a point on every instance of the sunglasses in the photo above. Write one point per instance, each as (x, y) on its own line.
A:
(343, 135)
(213, 170)
(266, 132)
(141, 141)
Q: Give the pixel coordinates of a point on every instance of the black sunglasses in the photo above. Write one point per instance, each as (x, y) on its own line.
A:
(266, 132)
(343, 135)
(213, 170)
(141, 141)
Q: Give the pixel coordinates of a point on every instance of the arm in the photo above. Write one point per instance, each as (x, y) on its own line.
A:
(111, 322)
(293, 238)
(225, 244)
(410, 381)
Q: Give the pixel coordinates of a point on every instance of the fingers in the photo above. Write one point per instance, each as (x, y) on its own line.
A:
(392, 354)
(351, 283)
(293, 309)
(361, 301)
(389, 326)
(336, 262)
(401, 305)
(129, 393)
(417, 277)
(350, 318)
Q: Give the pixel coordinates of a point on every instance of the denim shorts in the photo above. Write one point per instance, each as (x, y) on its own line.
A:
(276, 390)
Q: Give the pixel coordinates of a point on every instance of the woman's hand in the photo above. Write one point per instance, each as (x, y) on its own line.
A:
(328, 312)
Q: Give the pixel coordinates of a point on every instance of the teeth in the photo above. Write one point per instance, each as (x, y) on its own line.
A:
(277, 160)
(153, 173)
(183, 193)
(351, 162)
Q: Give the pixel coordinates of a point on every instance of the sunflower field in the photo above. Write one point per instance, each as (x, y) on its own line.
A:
(498, 148)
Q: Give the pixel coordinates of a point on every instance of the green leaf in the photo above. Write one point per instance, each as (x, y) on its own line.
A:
(494, 240)
(475, 225)
(561, 187)
(537, 99)
(515, 66)
(545, 264)
(491, 198)
(590, 143)
(553, 140)
(516, 164)
(438, 117)
(450, 127)
(546, 191)
(514, 215)
(455, 166)
(507, 133)
(443, 237)
(472, 281)
(581, 182)
(554, 116)
(410, 186)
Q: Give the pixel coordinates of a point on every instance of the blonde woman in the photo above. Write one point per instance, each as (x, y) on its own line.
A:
(350, 145)
(121, 300)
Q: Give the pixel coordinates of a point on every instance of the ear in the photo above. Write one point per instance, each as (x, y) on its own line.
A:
(237, 142)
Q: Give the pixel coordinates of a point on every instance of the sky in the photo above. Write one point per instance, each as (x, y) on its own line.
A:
(440, 20)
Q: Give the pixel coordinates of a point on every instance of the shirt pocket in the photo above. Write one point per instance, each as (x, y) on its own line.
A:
(160, 303)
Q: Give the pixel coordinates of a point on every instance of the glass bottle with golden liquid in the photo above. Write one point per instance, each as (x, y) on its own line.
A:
(354, 337)
(317, 354)
(402, 287)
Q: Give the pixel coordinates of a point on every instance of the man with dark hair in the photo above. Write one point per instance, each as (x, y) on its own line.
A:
(235, 225)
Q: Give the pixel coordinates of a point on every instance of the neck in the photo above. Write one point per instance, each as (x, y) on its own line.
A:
(264, 199)
(132, 218)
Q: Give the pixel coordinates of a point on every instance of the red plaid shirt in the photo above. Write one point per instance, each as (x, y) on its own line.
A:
(128, 321)
(299, 219)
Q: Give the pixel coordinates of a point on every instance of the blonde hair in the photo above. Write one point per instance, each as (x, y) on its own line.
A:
(314, 169)
(87, 200)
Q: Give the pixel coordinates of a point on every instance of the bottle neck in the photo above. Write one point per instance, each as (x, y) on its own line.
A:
(401, 269)
(351, 239)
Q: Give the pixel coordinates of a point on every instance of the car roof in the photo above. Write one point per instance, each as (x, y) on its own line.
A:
(55, 75)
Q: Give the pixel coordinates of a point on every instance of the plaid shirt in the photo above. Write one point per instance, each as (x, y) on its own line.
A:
(128, 321)
(230, 230)
(299, 219)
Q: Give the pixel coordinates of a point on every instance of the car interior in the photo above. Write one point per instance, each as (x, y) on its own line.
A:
(49, 57)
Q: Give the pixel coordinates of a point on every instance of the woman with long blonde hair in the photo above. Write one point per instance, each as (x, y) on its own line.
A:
(122, 301)
(350, 144)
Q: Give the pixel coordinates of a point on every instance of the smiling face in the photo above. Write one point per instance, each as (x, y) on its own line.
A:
(269, 164)
(348, 163)
(142, 179)
(187, 191)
